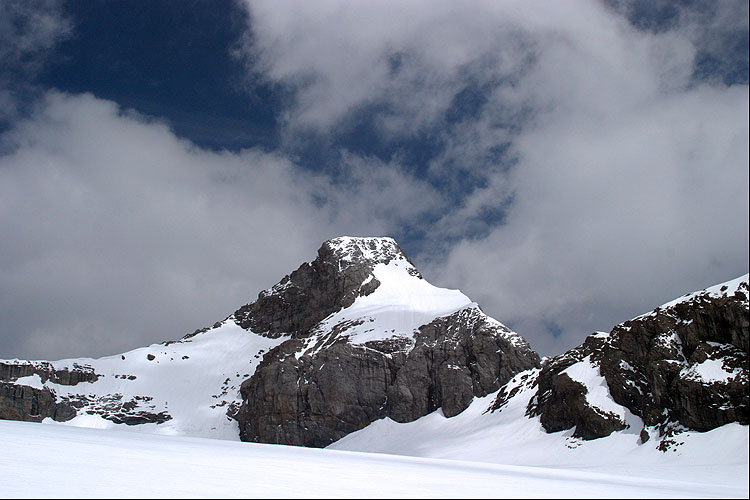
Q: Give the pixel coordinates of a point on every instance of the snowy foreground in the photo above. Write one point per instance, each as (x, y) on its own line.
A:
(52, 460)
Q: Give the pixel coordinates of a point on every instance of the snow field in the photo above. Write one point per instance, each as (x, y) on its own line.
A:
(65, 462)
(712, 462)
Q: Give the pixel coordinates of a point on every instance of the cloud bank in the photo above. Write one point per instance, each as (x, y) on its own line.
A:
(119, 234)
(576, 169)
(623, 178)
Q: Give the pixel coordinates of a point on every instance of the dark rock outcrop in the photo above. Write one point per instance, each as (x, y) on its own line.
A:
(661, 366)
(114, 407)
(337, 387)
(12, 371)
(456, 358)
(23, 402)
(312, 395)
(653, 362)
(20, 402)
(561, 401)
(316, 289)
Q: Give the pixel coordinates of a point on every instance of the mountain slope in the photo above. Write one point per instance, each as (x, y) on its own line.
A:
(668, 388)
(181, 388)
(353, 336)
(357, 336)
(682, 366)
(391, 345)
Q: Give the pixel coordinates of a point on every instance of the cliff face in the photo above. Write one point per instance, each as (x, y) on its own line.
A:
(381, 343)
(314, 399)
(682, 366)
(341, 273)
(22, 402)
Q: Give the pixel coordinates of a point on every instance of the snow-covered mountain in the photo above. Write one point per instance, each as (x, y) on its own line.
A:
(354, 336)
(355, 350)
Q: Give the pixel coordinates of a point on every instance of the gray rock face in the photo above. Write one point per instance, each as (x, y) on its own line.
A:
(456, 358)
(338, 387)
(561, 402)
(20, 402)
(315, 400)
(655, 366)
(662, 354)
(11, 371)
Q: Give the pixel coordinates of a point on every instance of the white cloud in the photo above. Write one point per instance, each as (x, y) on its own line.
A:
(628, 181)
(116, 233)
(410, 55)
(630, 187)
(380, 196)
(609, 223)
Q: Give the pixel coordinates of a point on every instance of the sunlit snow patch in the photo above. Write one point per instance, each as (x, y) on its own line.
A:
(710, 371)
(597, 393)
(398, 306)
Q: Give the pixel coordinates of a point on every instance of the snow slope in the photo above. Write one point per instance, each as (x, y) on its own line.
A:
(717, 459)
(725, 289)
(48, 460)
(194, 380)
(401, 304)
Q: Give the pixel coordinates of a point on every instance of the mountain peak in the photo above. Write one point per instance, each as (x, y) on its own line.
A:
(342, 272)
(353, 250)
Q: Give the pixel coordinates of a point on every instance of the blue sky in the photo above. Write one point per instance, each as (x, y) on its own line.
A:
(566, 165)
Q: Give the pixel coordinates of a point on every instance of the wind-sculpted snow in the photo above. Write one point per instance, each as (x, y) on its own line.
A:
(737, 287)
(342, 272)
(398, 307)
(708, 464)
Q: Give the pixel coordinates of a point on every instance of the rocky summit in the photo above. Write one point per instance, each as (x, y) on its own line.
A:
(683, 366)
(367, 338)
(357, 335)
